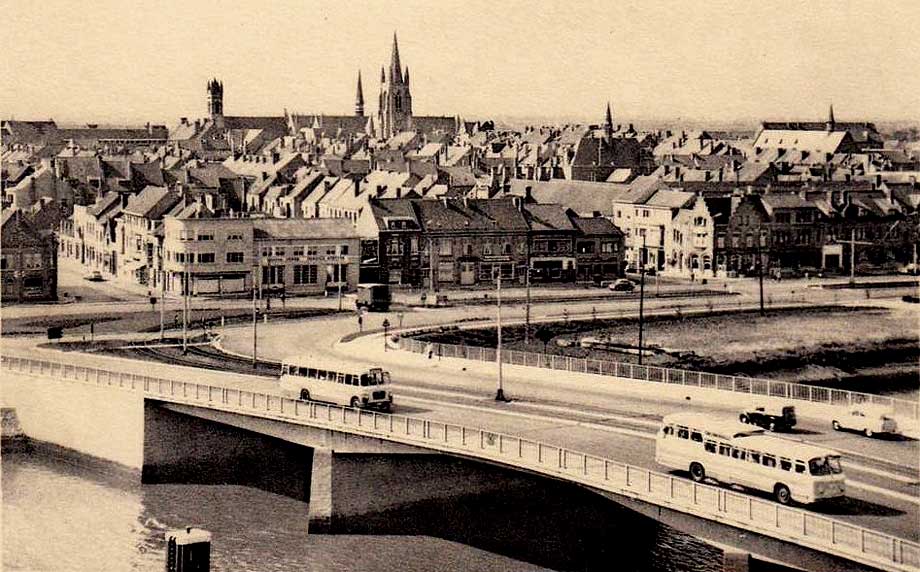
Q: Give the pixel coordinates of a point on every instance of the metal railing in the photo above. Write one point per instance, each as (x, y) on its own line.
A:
(795, 525)
(738, 384)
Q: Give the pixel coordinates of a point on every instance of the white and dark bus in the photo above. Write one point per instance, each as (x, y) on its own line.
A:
(737, 454)
(304, 378)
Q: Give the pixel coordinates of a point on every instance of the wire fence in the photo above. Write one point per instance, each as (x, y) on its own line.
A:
(737, 384)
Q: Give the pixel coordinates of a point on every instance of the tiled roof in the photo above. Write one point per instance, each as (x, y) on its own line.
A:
(303, 228)
(547, 217)
(470, 215)
(583, 197)
(670, 199)
(103, 204)
(595, 226)
(152, 202)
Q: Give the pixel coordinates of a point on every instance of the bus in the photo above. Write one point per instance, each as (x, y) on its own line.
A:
(373, 297)
(737, 454)
(305, 379)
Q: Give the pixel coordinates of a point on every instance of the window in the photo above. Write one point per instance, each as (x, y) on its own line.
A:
(180, 257)
(304, 274)
(506, 248)
(585, 248)
(330, 250)
(206, 258)
(234, 237)
(343, 250)
(297, 251)
(710, 446)
(768, 461)
(445, 247)
(696, 436)
(312, 250)
(739, 454)
(234, 257)
(683, 433)
(799, 467)
(785, 464)
(754, 457)
(725, 450)
(487, 249)
(3, 263)
(205, 237)
(279, 251)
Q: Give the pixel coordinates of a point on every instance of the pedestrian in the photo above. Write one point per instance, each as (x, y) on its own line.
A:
(692, 277)
(360, 322)
(429, 349)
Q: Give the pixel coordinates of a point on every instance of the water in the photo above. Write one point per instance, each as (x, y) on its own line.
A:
(63, 512)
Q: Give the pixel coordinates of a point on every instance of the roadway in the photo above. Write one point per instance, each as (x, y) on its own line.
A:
(569, 409)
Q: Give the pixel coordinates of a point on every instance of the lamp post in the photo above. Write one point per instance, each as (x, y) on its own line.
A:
(386, 333)
(162, 303)
(500, 393)
(527, 307)
(186, 310)
(255, 318)
(641, 295)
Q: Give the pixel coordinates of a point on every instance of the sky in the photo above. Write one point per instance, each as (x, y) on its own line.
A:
(120, 61)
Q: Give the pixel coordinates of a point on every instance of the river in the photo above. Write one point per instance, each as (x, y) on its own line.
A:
(65, 512)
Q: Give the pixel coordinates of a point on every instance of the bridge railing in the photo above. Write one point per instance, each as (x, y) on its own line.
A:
(903, 408)
(706, 501)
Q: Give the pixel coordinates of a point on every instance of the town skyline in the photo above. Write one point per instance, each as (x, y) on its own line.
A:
(702, 64)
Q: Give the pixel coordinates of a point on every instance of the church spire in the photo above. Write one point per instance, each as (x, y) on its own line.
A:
(406, 77)
(608, 123)
(395, 67)
(830, 118)
(359, 98)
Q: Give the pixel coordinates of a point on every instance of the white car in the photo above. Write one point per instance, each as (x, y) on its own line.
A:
(866, 420)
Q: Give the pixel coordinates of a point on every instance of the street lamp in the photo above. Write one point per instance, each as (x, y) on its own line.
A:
(386, 330)
(255, 317)
(500, 393)
(641, 294)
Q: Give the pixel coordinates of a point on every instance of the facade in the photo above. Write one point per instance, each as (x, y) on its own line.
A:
(220, 256)
(600, 252)
(689, 244)
(28, 261)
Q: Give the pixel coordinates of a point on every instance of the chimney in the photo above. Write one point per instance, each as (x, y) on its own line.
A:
(357, 186)
(398, 192)
(183, 121)
(528, 193)
(516, 201)
(878, 181)
(444, 201)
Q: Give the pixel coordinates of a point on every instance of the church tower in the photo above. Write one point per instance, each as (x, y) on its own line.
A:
(831, 123)
(359, 98)
(395, 109)
(215, 98)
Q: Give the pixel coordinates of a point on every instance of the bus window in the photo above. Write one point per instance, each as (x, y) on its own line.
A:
(683, 433)
(769, 461)
(710, 446)
(284, 369)
(668, 430)
(696, 436)
(754, 457)
(363, 378)
(724, 449)
(785, 464)
(799, 467)
(738, 454)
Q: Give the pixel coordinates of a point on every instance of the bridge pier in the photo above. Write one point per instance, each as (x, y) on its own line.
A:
(736, 561)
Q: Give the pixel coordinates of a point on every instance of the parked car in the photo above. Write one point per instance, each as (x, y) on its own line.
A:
(867, 420)
(772, 417)
(94, 276)
(622, 285)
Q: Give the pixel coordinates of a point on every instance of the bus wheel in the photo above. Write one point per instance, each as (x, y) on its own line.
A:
(355, 402)
(783, 496)
(868, 432)
(772, 426)
(836, 425)
(304, 395)
(743, 418)
(697, 472)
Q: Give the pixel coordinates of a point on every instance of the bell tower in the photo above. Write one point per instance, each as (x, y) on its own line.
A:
(395, 112)
(215, 98)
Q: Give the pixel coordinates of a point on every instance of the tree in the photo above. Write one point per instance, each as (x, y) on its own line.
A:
(544, 334)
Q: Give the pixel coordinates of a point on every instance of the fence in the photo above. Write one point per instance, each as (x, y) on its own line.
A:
(738, 384)
(706, 501)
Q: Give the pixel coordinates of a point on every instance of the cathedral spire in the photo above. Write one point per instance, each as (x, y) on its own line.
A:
(395, 67)
(406, 77)
(359, 98)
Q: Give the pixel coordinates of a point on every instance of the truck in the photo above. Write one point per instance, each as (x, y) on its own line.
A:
(373, 297)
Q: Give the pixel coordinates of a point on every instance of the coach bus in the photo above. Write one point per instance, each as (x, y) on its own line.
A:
(733, 453)
(306, 379)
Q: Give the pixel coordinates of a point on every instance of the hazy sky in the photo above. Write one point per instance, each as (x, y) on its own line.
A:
(124, 61)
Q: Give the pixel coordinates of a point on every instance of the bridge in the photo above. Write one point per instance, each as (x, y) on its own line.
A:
(785, 534)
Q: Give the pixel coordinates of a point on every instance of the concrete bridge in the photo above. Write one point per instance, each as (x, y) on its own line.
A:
(147, 422)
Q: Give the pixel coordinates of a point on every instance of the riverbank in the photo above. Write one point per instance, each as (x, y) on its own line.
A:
(858, 348)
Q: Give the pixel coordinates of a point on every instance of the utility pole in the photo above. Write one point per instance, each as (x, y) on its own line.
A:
(853, 242)
(162, 303)
(760, 272)
(500, 394)
(255, 319)
(641, 295)
(185, 306)
(527, 306)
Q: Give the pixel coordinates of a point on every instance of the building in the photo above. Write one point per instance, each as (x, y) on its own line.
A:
(221, 255)
(28, 261)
